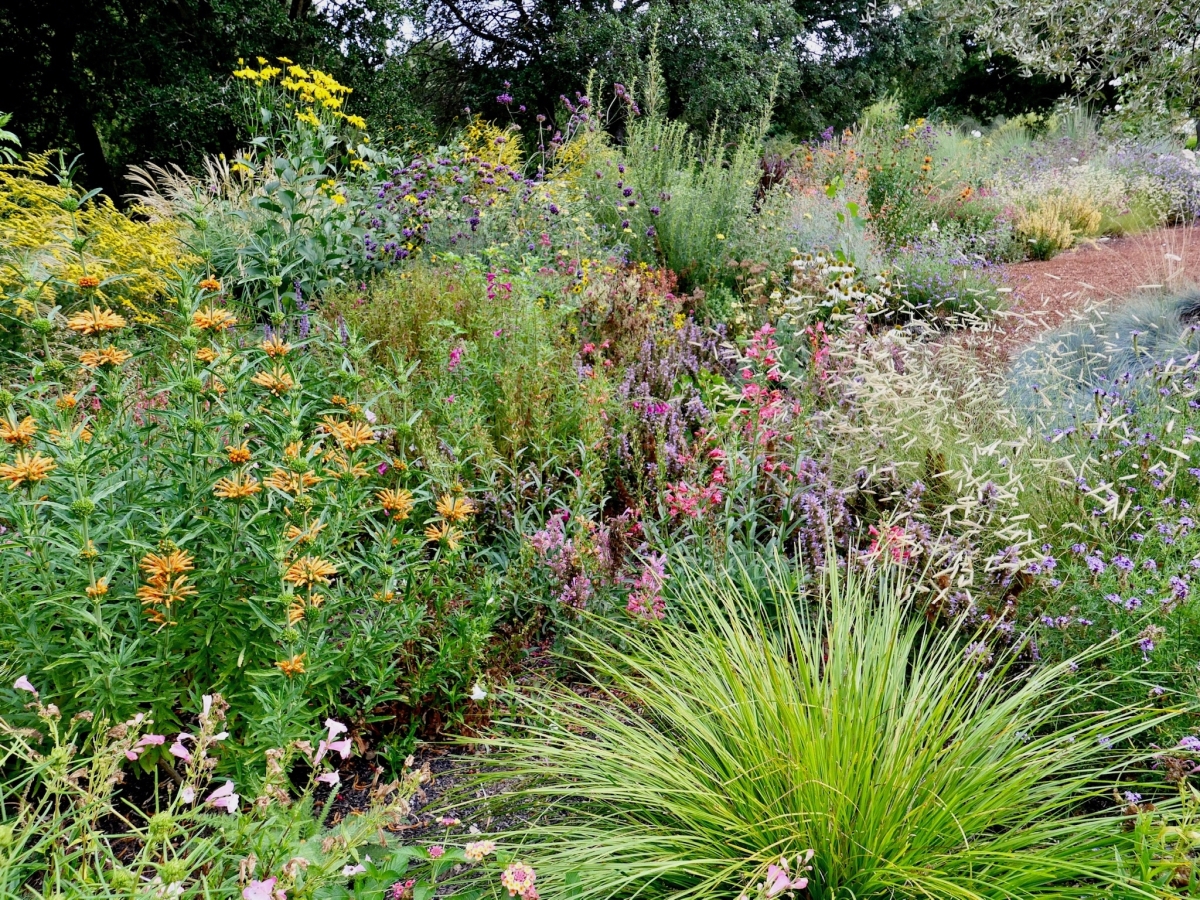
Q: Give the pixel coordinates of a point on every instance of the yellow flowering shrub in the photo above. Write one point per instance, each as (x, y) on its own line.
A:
(1053, 222)
(36, 250)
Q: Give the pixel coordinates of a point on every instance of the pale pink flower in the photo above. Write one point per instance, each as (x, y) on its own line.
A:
(335, 728)
(348, 871)
(779, 878)
(260, 890)
(437, 851)
(187, 794)
(342, 747)
(22, 684)
(177, 749)
(330, 778)
(223, 798)
(477, 850)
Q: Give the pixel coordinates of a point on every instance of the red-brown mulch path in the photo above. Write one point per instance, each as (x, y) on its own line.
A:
(1107, 270)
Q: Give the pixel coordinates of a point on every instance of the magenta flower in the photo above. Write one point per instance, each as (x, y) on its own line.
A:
(437, 851)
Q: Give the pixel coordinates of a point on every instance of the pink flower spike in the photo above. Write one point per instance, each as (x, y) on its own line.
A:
(342, 747)
(23, 684)
(177, 749)
(330, 778)
(259, 890)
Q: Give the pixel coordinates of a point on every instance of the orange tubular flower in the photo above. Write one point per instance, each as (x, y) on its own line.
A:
(238, 454)
(309, 571)
(340, 465)
(87, 282)
(277, 381)
(353, 435)
(275, 346)
(26, 469)
(213, 319)
(398, 503)
(95, 321)
(454, 509)
(206, 355)
(109, 356)
(293, 483)
(293, 666)
(21, 434)
(165, 591)
(167, 565)
(441, 531)
(304, 535)
(239, 487)
(210, 284)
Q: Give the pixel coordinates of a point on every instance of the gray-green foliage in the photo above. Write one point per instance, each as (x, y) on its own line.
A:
(1149, 50)
(1057, 376)
(774, 720)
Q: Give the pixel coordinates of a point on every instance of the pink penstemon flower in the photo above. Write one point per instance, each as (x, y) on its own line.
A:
(147, 740)
(177, 748)
(23, 684)
(341, 747)
(223, 798)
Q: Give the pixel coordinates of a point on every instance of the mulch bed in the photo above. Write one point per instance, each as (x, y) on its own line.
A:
(1098, 272)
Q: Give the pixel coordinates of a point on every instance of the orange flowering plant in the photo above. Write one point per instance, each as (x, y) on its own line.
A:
(211, 504)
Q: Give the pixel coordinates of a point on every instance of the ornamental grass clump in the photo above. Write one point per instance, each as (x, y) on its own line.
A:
(786, 716)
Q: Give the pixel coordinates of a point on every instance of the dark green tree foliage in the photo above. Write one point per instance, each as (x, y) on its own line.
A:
(123, 81)
(126, 81)
(718, 57)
